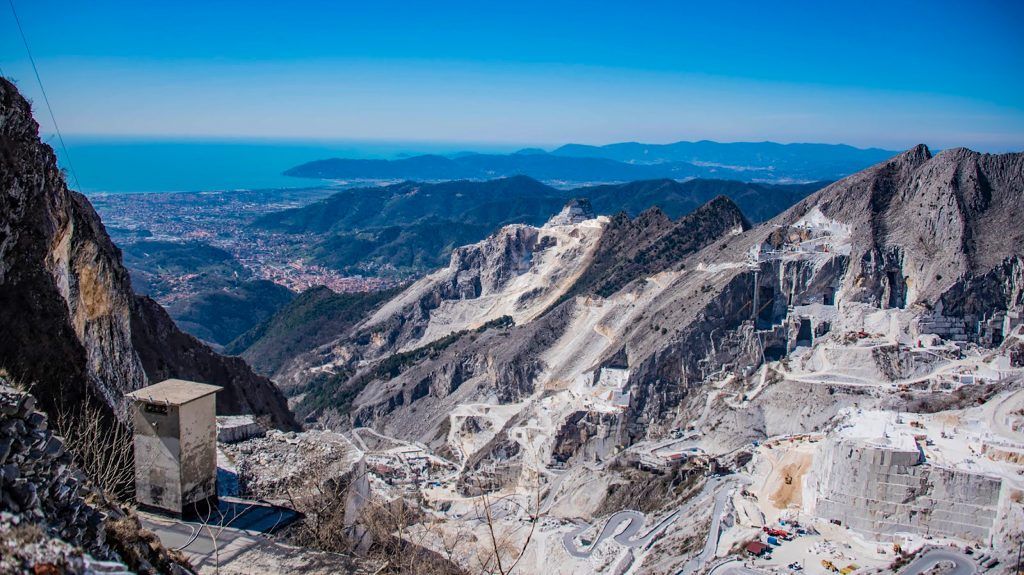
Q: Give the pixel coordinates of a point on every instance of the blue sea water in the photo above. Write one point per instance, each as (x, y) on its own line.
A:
(130, 165)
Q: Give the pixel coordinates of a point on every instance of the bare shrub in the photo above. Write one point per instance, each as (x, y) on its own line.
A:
(506, 547)
(102, 446)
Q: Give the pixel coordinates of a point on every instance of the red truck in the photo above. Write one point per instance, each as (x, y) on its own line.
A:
(777, 532)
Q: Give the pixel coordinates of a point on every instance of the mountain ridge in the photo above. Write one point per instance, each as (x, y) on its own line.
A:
(627, 161)
(411, 227)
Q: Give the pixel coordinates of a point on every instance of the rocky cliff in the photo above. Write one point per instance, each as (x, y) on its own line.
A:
(72, 326)
(877, 252)
(922, 223)
(502, 316)
(167, 352)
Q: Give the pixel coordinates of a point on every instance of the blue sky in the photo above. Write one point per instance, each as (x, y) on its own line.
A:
(888, 74)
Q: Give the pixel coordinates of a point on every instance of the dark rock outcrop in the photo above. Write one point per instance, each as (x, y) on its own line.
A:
(51, 519)
(64, 297)
(650, 243)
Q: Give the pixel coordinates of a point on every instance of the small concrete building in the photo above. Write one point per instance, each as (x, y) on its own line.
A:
(175, 445)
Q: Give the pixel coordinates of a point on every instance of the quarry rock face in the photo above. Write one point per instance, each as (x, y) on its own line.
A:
(575, 211)
(921, 223)
(305, 468)
(869, 240)
(72, 325)
(712, 327)
(885, 490)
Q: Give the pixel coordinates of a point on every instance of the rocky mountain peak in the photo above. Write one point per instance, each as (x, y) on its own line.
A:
(916, 155)
(724, 209)
(923, 222)
(576, 210)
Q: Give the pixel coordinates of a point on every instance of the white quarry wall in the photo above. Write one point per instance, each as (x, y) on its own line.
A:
(235, 428)
(882, 491)
(613, 377)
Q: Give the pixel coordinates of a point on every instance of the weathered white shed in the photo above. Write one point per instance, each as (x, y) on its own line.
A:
(175, 445)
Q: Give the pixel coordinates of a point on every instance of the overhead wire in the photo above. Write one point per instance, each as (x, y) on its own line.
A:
(46, 99)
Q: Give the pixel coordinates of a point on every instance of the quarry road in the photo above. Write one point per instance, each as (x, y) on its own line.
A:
(212, 546)
(636, 522)
(733, 568)
(629, 534)
(1001, 415)
(711, 544)
(962, 563)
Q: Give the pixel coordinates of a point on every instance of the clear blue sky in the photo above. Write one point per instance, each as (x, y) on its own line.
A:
(888, 74)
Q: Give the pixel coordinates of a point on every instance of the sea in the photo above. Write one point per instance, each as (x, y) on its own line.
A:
(133, 165)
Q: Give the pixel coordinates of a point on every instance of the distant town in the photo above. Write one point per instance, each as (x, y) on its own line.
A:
(222, 219)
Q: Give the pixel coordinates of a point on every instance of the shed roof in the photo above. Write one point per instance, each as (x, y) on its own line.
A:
(173, 392)
(756, 547)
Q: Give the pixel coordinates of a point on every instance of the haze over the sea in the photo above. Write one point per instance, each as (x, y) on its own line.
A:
(128, 165)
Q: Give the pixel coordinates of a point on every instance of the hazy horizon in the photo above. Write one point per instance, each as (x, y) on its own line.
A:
(140, 164)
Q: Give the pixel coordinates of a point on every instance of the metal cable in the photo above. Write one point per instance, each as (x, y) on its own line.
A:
(46, 99)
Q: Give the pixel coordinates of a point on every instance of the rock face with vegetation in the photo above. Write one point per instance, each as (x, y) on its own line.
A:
(412, 228)
(483, 325)
(72, 325)
(312, 319)
(167, 352)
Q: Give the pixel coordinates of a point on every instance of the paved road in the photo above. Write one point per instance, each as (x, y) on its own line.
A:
(236, 528)
(733, 568)
(962, 563)
(711, 544)
(201, 545)
(635, 521)
(628, 536)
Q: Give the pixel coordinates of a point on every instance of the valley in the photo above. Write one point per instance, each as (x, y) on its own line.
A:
(642, 394)
(222, 262)
(756, 353)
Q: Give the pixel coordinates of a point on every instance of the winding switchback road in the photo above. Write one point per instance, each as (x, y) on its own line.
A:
(711, 544)
(962, 563)
(628, 535)
(636, 522)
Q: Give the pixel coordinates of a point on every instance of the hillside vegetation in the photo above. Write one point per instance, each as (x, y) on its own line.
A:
(410, 228)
